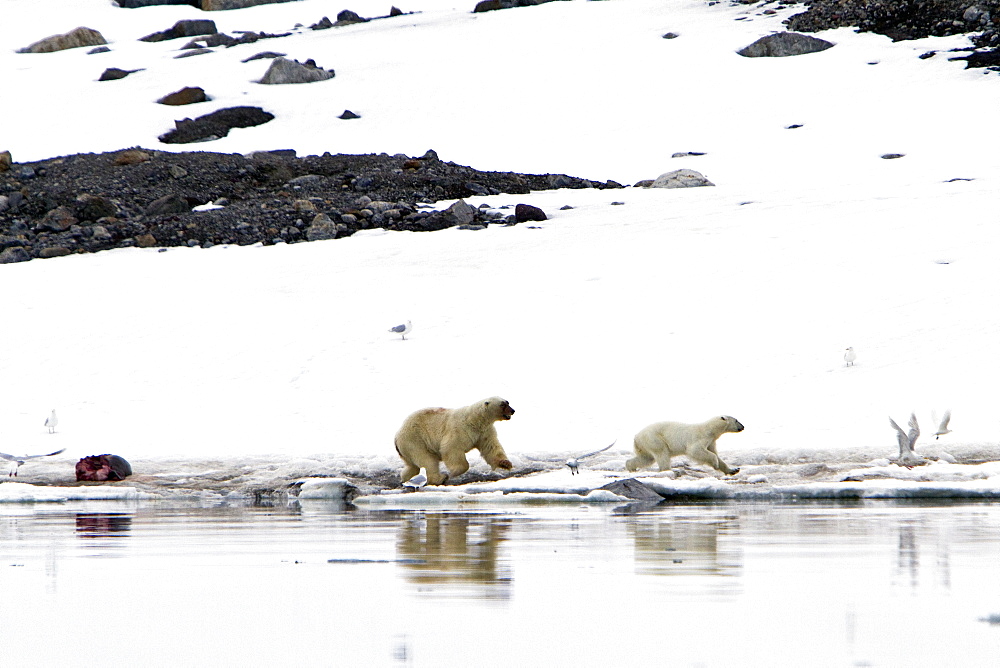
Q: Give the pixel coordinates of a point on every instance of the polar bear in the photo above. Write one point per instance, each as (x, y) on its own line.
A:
(662, 440)
(434, 435)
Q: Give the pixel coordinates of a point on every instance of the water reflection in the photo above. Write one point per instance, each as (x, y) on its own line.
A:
(683, 545)
(451, 553)
(102, 525)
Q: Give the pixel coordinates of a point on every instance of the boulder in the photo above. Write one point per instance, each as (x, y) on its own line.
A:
(166, 205)
(347, 17)
(94, 207)
(145, 241)
(14, 254)
(73, 39)
(132, 156)
(460, 213)
(681, 178)
(524, 213)
(6, 160)
(284, 71)
(220, 5)
(323, 227)
(187, 95)
(135, 4)
(58, 219)
(187, 28)
(114, 73)
(53, 251)
(783, 44)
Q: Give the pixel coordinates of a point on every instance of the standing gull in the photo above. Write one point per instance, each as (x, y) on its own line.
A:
(943, 426)
(403, 329)
(574, 463)
(51, 421)
(417, 481)
(850, 356)
(907, 440)
(17, 460)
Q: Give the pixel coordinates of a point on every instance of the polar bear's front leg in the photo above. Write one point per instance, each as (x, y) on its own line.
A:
(705, 453)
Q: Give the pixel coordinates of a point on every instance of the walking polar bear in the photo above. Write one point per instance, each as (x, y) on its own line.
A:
(662, 440)
(434, 435)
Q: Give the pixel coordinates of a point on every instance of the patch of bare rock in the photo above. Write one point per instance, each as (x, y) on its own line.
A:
(146, 198)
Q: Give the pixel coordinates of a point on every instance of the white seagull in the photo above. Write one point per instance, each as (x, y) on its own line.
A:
(907, 439)
(943, 426)
(850, 356)
(417, 481)
(51, 421)
(403, 329)
(574, 463)
(17, 460)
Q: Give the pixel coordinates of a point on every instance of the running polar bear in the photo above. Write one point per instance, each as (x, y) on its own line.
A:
(434, 435)
(662, 440)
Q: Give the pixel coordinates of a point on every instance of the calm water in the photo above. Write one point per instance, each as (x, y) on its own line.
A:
(868, 584)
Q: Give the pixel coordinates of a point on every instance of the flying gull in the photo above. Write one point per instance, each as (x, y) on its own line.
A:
(403, 329)
(17, 460)
(943, 426)
(417, 481)
(574, 463)
(907, 440)
(850, 356)
(51, 421)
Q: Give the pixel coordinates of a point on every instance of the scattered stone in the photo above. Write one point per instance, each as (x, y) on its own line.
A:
(215, 125)
(347, 17)
(145, 241)
(194, 52)
(303, 205)
(460, 213)
(395, 11)
(263, 55)
(14, 254)
(323, 24)
(6, 160)
(132, 156)
(57, 220)
(94, 207)
(322, 228)
(187, 28)
(284, 71)
(220, 5)
(187, 95)
(526, 212)
(892, 156)
(681, 178)
(53, 251)
(73, 39)
(99, 49)
(348, 115)
(927, 54)
(671, 35)
(113, 74)
(166, 205)
(793, 126)
(784, 44)
(178, 172)
(565, 207)
(493, 5)
(687, 154)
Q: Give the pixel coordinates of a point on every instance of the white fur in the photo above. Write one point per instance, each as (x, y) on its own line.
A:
(661, 441)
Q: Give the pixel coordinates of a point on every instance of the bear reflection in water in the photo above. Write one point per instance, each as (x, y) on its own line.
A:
(453, 552)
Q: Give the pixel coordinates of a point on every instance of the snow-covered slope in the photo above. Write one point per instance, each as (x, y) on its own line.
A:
(631, 307)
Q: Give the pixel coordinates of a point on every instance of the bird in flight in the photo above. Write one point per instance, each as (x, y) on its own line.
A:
(51, 421)
(403, 329)
(574, 462)
(907, 439)
(17, 460)
(943, 426)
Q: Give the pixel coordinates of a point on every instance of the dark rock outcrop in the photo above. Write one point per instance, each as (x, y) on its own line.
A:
(187, 28)
(187, 95)
(784, 44)
(284, 71)
(215, 125)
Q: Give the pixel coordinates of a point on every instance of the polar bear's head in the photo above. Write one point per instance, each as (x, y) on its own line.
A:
(732, 424)
(498, 408)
